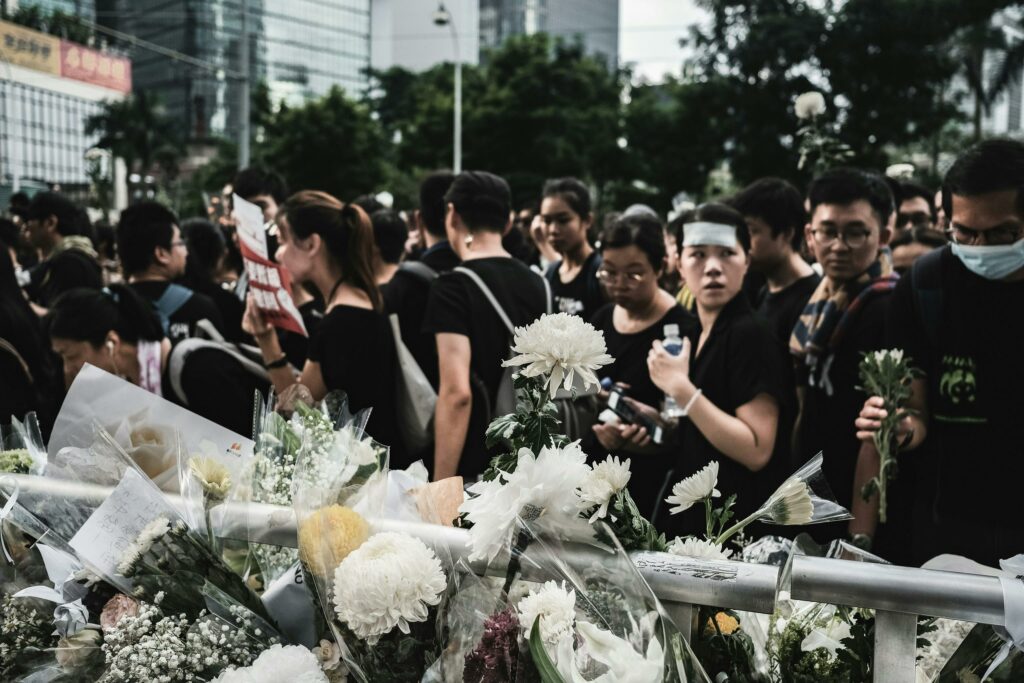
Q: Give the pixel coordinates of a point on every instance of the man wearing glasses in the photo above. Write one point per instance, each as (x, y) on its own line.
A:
(959, 315)
(844, 318)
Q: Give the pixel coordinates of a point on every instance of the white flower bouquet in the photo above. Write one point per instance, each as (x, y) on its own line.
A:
(379, 591)
(21, 447)
(599, 623)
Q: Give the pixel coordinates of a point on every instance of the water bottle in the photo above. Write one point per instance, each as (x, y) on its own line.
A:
(672, 343)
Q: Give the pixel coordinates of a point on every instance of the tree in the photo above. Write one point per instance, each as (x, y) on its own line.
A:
(330, 144)
(138, 130)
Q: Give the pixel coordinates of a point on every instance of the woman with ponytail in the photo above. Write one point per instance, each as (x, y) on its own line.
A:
(329, 245)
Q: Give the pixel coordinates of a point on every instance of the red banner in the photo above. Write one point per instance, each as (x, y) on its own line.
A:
(97, 68)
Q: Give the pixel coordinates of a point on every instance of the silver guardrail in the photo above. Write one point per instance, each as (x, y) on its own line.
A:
(897, 594)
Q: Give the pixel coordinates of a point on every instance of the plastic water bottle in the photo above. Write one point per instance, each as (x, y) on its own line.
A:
(673, 343)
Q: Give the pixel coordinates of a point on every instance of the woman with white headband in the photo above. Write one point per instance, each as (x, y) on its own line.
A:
(728, 377)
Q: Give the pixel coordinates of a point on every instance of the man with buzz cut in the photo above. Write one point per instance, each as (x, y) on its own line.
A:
(959, 316)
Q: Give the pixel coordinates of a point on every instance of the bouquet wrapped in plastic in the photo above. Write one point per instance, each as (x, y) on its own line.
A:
(378, 585)
(578, 612)
(21, 447)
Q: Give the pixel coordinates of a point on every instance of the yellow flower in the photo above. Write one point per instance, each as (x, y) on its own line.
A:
(213, 477)
(328, 536)
(727, 624)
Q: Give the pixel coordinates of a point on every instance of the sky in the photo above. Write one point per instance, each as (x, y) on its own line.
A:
(649, 33)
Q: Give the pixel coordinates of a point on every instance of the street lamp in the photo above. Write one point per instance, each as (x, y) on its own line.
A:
(442, 17)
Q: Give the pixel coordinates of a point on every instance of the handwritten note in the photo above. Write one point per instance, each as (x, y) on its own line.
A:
(116, 523)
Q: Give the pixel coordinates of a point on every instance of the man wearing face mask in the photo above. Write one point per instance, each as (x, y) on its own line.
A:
(959, 315)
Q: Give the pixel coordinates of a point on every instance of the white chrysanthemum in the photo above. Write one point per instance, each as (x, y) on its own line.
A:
(292, 663)
(602, 483)
(695, 488)
(790, 504)
(391, 580)
(809, 104)
(895, 354)
(542, 490)
(554, 606)
(698, 548)
(359, 451)
(900, 171)
(213, 478)
(150, 533)
(560, 346)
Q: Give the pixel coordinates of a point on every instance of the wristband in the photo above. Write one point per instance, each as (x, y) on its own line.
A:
(279, 363)
(689, 404)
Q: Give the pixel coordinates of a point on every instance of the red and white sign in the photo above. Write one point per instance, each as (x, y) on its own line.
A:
(269, 283)
(97, 68)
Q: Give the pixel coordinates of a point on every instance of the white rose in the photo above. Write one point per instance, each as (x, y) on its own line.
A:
(809, 105)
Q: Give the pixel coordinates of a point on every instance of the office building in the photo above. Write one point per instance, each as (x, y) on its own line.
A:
(595, 22)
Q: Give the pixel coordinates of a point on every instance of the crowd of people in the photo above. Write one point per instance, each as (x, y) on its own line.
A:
(737, 327)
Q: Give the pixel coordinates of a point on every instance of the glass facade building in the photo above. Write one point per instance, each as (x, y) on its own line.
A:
(299, 48)
(595, 22)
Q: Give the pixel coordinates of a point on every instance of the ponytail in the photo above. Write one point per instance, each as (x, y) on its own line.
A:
(346, 232)
(89, 315)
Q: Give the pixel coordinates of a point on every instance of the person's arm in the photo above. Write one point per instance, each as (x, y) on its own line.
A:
(454, 403)
(747, 437)
(284, 376)
(865, 512)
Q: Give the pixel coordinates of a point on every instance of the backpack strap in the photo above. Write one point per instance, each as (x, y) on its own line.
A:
(547, 295)
(926, 277)
(482, 286)
(170, 302)
(181, 352)
(419, 269)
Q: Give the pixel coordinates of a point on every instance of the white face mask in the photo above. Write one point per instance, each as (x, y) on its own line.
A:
(992, 262)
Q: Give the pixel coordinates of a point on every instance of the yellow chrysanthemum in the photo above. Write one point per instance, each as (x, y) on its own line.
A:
(328, 536)
(727, 624)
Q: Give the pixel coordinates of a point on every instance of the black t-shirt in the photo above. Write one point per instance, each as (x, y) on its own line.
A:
(219, 388)
(407, 295)
(649, 472)
(183, 321)
(582, 295)
(231, 309)
(739, 361)
(782, 309)
(457, 306)
(827, 422)
(66, 270)
(356, 353)
(973, 360)
(295, 346)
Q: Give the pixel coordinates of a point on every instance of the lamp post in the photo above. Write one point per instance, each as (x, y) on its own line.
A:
(442, 17)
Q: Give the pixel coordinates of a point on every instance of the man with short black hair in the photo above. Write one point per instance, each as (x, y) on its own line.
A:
(407, 292)
(915, 208)
(844, 318)
(266, 189)
(774, 212)
(54, 227)
(959, 316)
(153, 255)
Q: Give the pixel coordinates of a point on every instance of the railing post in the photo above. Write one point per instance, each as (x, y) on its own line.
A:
(895, 647)
(681, 614)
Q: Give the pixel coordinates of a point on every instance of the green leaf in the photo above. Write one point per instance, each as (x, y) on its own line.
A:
(548, 672)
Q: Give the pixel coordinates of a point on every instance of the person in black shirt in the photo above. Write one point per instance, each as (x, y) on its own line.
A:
(633, 251)
(844, 319)
(957, 316)
(207, 251)
(728, 377)
(407, 293)
(330, 245)
(774, 213)
(389, 235)
(54, 226)
(566, 214)
(117, 330)
(472, 340)
(153, 255)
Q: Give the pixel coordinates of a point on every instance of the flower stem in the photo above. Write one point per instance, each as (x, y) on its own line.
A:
(737, 527)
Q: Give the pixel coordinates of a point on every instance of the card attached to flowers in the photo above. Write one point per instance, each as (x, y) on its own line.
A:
(117, 522)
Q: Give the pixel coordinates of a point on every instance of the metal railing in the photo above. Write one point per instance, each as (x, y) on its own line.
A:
(897, 594)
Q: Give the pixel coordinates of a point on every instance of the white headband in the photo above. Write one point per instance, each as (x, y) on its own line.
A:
(709, 234)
